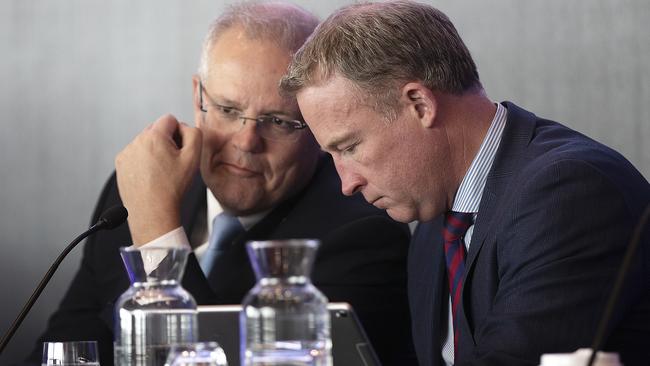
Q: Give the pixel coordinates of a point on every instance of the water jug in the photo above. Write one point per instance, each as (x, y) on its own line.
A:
(155, 312)
(284, 318)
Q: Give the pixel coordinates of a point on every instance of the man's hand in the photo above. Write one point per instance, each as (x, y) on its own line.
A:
(153, 173)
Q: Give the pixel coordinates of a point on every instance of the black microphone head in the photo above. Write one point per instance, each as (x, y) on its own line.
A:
(113, 217)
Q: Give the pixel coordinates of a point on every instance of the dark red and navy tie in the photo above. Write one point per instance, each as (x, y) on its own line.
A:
(453, 231)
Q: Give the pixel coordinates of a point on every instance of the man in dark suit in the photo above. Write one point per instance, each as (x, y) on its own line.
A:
(261, 166)
(525, 222)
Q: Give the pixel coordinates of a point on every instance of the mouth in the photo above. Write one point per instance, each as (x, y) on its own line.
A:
(238, 170)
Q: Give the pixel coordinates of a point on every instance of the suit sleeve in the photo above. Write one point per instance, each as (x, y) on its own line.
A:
(558, 252)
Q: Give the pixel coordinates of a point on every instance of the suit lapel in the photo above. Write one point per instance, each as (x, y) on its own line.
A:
(518, 132)
(520, 126)
(193, 205)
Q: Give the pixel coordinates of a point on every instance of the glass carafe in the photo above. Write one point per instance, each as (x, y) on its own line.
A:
(155, 312)
(284, 318)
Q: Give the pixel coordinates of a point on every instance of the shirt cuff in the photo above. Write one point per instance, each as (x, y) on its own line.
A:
(176, 238)
(173, 239)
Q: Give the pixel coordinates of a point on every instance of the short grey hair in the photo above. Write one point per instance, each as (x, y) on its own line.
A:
(286, 24)
(380, 46)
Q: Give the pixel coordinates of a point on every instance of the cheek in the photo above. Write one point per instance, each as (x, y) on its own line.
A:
(290, 164)
(395, 167)
(212, 142)
(280, 163)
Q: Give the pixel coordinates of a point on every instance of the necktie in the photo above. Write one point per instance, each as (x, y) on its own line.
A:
(224, 229)
(453, 231)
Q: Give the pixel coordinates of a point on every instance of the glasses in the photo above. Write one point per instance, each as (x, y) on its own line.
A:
(227, 119)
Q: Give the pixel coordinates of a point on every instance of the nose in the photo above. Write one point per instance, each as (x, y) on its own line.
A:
(247, 139)
(351, 182)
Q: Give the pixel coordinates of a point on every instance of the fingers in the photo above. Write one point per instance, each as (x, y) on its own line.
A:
(166, 127)
(153, 172)
(180, 134)
(190, 136)
(166, 124)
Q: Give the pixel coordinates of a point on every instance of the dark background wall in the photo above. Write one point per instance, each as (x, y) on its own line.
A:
(78, 79)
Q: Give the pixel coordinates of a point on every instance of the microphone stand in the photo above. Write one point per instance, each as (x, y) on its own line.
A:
(110, 219)
(620, 279)
(41, 285)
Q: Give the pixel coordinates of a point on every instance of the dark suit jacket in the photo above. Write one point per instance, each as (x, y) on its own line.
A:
(361, 260)
(554, 221)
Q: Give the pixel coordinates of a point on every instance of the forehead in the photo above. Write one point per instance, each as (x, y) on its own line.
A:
(234, 45)
(246, 70)
(334, 110)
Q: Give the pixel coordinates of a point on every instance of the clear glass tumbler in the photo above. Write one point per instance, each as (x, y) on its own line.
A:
(284, 318)
(155, 312)
(82, 353)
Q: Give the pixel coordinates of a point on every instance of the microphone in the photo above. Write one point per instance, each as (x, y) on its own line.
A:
(109, 219)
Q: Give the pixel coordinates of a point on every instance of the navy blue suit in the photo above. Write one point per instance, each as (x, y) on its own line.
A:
(555, 219)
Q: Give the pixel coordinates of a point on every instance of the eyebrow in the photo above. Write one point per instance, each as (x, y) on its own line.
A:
(225, 102)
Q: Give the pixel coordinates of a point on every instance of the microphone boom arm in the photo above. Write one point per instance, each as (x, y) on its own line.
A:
(110, 219)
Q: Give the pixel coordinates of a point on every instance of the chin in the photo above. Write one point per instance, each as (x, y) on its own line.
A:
(242, 203)
(239, 208)
(401, 215)
(239, 199)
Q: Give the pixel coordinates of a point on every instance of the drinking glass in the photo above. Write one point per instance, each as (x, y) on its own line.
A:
(82, 353)
(197, 354)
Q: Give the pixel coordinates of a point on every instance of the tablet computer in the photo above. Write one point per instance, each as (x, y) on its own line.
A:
(350, 345)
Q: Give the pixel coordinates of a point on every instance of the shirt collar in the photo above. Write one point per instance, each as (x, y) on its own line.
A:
(471, 187)
(214, 208)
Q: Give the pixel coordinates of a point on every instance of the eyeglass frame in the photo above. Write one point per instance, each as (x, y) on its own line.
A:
(294, 123)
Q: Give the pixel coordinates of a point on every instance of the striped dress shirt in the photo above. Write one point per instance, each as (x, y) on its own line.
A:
(468, 199)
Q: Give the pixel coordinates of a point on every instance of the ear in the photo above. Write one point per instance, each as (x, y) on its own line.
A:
(421, 102)
(196, 90)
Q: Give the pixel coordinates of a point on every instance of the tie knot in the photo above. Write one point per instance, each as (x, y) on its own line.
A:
(224, 225)
(225, 228)
(456, 224)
